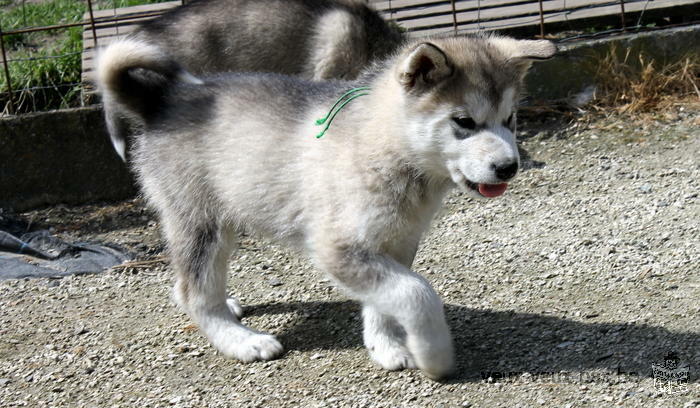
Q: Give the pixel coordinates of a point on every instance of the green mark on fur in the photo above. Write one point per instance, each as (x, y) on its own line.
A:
(338, 105)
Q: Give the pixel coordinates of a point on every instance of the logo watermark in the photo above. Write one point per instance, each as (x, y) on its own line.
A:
(670, 375)
(558, 377)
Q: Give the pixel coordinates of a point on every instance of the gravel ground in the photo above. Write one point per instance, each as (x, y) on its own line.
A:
(562, 293)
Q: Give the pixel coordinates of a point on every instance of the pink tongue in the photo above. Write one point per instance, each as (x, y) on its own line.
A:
(492, 190)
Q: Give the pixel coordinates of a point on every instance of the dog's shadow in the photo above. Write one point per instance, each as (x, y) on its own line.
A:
(506, 344)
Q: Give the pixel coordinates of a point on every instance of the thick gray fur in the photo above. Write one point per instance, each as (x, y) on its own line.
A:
(237, 152)
(314, 39)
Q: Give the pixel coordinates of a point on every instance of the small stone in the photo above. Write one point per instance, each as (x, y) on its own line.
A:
(4, 381)
(316, 356)
(275, 282)
(609, 250)
(565, 344)
(645, 188)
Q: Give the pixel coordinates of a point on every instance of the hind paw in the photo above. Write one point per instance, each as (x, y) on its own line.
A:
(234, 306)
(256, 348)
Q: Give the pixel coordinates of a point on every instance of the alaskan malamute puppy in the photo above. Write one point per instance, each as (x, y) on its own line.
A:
(349, 172)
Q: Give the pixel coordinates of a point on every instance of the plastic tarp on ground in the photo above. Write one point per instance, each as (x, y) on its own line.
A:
(39, 254)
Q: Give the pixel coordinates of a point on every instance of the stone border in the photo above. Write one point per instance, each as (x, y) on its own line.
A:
(59, 157)
(573, 69)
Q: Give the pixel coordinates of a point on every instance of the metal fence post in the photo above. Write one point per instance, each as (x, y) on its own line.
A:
(11, 102)
(541, 21)
(622, 15)
(454, 16)
(92, 23)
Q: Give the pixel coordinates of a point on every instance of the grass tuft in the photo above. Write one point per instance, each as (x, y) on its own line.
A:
(45, 66)
(640, 84)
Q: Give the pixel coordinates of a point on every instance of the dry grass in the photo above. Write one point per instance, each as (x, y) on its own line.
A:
(630, 84)
(644, 85)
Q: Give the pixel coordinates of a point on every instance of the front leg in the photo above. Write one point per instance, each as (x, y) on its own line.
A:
(393, 294)
(385, 340)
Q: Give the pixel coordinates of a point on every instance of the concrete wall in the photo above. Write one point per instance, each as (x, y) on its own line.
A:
(66, 157)
(59, 157)
(574, 67)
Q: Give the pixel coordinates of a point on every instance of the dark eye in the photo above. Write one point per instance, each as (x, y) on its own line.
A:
(465, 123)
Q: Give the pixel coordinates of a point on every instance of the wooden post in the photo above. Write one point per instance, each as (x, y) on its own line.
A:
(11, 103)
(541, 21)
(92, 23)
(622, 15)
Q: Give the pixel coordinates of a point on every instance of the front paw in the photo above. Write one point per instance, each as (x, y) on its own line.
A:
(435, 358)
(391, 355)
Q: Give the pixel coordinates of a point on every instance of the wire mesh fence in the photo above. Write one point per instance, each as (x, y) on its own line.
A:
(48, 45)
(41, 46)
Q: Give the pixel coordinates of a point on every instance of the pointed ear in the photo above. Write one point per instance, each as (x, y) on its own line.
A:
(526, 49)
(522, 53)
(423, 67)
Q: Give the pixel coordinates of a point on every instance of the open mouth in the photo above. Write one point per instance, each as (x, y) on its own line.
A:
(487, 190)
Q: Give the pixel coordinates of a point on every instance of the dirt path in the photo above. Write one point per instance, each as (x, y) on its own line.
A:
(562, 293)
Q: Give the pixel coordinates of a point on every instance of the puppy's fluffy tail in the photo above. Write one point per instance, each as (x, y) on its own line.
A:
(133, 77)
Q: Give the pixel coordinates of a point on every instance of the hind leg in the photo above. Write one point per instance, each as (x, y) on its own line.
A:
(234, 306)
(200, 255)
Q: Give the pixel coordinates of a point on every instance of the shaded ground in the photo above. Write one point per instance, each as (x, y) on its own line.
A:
(562, 293)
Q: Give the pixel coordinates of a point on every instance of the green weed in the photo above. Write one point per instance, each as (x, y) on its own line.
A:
(45, 66)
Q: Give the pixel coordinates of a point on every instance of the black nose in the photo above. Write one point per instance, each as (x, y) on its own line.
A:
(505, 171)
